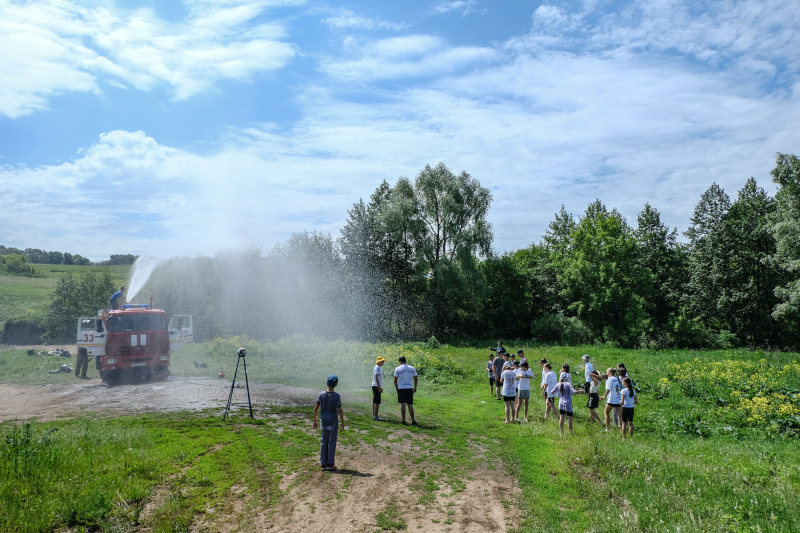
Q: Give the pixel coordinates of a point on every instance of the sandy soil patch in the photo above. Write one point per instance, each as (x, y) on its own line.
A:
(370, 479)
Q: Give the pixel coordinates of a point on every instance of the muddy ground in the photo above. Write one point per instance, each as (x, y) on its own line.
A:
(52, 402)
(370, 478)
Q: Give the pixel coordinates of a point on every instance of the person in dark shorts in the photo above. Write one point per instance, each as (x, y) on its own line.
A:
(377, 387)
(629, 400)
(548, 387)
(613, 395)
(565, 391)
(509, 380)
(594, 396)
(405, 382)
(587, 369)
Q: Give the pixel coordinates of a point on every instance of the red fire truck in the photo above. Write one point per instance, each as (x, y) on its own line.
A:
(134, 342)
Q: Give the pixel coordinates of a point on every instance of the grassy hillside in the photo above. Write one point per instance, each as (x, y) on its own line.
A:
(28, 298)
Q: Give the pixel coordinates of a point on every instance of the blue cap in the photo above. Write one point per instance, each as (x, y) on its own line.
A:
(333, 380)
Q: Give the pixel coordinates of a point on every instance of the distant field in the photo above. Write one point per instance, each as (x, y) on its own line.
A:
(28, 298)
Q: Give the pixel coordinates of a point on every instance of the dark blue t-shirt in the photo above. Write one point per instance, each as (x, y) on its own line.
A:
(329, 403)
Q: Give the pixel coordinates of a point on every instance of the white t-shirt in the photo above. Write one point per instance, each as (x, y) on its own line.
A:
(509, 383)
(613, 384)
(405, 376)
(627, 398)
(551, 380)
(377, 371)
(524, 379)
(544, 373)
(587, 371)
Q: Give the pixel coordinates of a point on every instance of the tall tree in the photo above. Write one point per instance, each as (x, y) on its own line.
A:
(753, 278)
(785, 228)
(710, 256)
(664, 258)
(603, 279)
(557, 241)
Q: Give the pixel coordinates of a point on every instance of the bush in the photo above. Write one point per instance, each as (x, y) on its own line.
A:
(691, 333)
(17, 265)
(559, 328)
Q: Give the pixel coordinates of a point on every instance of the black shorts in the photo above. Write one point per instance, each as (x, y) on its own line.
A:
(491, 380)
(510, 398)
(405, 396)
(552, 399)
(627, 414)
(376, 395)
(613, 404)
(564, 412)
(586, 387)
(594, 400)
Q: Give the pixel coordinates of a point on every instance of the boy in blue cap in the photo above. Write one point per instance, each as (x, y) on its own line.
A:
(330, 403)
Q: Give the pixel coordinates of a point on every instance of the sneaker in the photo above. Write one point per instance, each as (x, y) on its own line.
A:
(324, 467)
(375, 418)
(331, 467)
(405, 423)
(413, 422)
(524, 419)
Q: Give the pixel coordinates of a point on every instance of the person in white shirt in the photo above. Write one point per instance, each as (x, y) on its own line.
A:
(543, 362)
(524, 377)
(629, 400)
(550, 381)
(509, 380)
(377, 387)
(405, 382)
(613, 396)
(588, 369)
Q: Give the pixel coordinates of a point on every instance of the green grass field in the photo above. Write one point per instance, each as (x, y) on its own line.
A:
(24, 298)
(700, 460)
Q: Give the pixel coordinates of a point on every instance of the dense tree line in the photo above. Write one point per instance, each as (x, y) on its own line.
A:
(416, 260)
(42, 257)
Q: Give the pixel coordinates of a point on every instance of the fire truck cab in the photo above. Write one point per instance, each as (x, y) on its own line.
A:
(133, 342)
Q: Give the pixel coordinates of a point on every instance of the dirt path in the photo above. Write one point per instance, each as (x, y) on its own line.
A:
(370, 481)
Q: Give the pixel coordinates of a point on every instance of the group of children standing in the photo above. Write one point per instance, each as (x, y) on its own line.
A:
(511, 376)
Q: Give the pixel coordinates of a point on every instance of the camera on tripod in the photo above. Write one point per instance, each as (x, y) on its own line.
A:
(241, 352)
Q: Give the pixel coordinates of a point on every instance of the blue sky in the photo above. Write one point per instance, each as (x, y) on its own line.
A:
(171, 128)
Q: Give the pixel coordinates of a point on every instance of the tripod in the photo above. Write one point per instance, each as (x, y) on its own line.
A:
(241, 353)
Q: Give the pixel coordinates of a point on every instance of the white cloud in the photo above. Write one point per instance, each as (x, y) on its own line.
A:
(403, 57)
(52, 47)
(465, 7)
(346, 19)
(651, 104)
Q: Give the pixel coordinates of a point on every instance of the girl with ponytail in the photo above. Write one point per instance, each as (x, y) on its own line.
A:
(629, 400)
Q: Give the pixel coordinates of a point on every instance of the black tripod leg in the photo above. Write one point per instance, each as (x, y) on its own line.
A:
(230, 396)
(248, 391)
